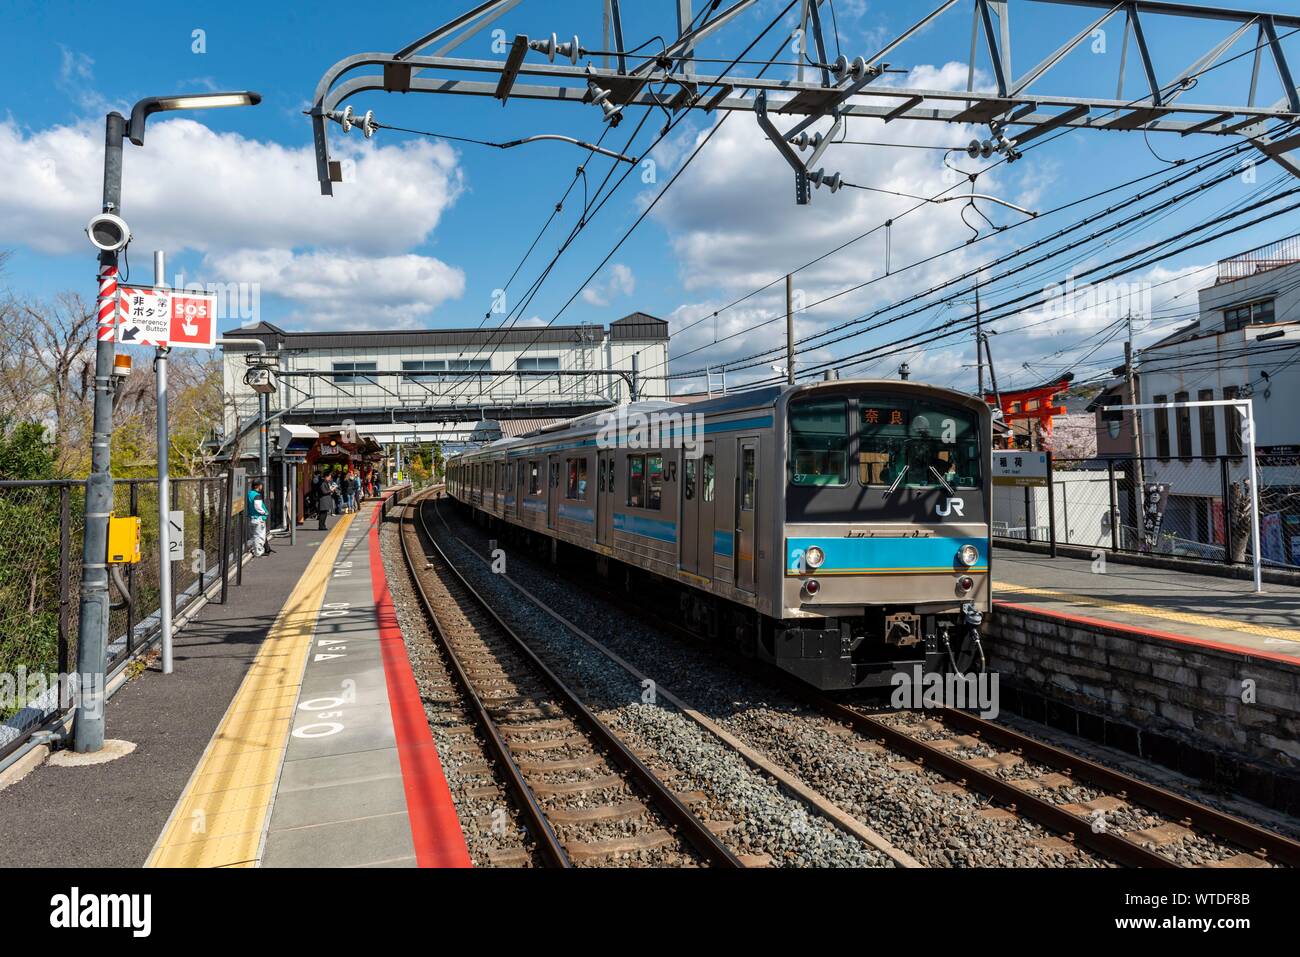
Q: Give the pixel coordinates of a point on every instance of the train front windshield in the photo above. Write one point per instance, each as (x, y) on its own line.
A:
(917, 444)
(901, 445)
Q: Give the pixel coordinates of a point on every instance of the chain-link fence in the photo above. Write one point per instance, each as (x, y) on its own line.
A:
(1188, 507)
(41, 540)
(40, 563)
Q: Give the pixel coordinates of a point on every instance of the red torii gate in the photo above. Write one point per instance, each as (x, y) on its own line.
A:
(1029, 405)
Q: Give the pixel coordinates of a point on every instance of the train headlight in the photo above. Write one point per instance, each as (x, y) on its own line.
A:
(814, 557)
(968, 555)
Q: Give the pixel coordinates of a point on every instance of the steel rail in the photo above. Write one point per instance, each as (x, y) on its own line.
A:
(1076, 829)
(694, 830)
(1249, 836)
(549, 844)
(1252, 837)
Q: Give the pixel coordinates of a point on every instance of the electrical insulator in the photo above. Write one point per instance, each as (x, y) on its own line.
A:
(820, 179)
(551, 47)
(803, 140)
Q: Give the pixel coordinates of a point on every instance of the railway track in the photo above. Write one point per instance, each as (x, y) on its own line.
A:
(1035, 778)
(1084, 803)
(584, 796)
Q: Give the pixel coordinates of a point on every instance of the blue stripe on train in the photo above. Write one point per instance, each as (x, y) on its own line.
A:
(866, 555)
(645, 527)
(722, 543)
(578, 513)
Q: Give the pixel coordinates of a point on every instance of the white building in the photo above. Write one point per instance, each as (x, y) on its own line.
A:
(1245, 343)
(435, 384)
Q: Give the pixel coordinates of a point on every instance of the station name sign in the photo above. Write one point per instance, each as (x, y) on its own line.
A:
(1019, 467)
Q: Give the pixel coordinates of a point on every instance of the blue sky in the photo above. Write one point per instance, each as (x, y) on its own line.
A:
(428, 230)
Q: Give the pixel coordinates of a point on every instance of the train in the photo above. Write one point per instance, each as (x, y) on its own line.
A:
(838, 530)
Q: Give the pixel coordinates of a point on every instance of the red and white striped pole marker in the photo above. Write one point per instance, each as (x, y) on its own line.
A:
(109, 305)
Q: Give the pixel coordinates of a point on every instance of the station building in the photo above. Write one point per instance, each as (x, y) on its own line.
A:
(437, 384)
(368, 390)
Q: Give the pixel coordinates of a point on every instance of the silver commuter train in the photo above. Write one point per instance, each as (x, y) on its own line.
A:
(839, 529)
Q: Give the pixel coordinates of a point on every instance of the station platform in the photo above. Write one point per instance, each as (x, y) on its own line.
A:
(291, 734)
(1195, 609)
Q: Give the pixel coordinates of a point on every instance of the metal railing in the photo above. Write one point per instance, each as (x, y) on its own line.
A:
(1280, 252)
(41, 526)
(1203, 514)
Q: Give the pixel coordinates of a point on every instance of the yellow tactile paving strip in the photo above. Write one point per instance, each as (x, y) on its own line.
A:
(220, 817)
(1216, 622)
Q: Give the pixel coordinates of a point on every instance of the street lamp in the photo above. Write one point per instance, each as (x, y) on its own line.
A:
(184, 101)
(109, 233)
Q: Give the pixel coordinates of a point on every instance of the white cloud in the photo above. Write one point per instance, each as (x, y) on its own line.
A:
(340, 290)
(252, 208)
(193, 188)
(618, 281)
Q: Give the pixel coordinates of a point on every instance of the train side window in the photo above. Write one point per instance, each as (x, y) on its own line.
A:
(747, 480)
(654, 471)
(636, 481)
(688, 480)
(819, 442)
(600, 477)
(707, 476)
(534, 479)
(555, 475)
(576, 487)
(611, 474)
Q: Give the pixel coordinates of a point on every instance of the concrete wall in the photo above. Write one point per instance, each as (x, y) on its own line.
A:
(1177, 705)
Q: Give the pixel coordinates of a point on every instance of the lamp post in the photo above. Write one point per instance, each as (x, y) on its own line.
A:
(110, 234)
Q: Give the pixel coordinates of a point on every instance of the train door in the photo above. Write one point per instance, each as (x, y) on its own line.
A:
(552, 489)
(604, 496)
(746, 512)
(520, 473)
(698, 487)
(689, 510)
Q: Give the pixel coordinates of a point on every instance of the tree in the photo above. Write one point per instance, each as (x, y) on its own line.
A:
(47, 366)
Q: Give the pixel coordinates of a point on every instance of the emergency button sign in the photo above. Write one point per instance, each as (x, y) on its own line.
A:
(159, 317)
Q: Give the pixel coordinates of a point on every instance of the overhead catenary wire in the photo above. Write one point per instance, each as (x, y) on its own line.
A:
(1131, 262)
(760, 357)
(676, 175)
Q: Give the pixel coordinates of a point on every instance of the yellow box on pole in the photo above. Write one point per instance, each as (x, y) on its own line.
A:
(123, 540)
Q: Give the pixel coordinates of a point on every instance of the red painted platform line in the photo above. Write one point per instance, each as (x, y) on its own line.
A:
(1149, 632)
(435, 828)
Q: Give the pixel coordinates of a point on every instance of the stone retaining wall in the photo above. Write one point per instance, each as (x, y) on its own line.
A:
(1227, 718)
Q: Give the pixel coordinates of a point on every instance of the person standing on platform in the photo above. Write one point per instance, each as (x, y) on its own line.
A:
(324, 504)
(257, 515)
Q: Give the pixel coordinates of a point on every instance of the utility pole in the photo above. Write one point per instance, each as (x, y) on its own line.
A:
(92, 621)
(263, 439)
(789, 328)
(979, 335)
(1134, 399)
(164, 485)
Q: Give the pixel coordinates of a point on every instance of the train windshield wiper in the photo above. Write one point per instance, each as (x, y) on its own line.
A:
(942, 480)
(897, 481)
